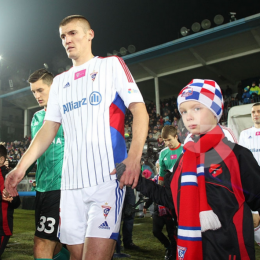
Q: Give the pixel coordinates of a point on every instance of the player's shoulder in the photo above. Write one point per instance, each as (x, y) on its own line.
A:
(247, 130)
(164, 150)
(39, 113)
(63, 74)
(112, 59)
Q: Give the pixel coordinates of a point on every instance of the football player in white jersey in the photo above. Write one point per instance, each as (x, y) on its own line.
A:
(250, 138)
(90, 100)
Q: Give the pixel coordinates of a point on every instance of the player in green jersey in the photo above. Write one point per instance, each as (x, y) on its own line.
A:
(48, 177)
(170, 154)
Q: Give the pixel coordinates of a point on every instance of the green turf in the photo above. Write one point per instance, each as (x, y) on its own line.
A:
(21, 243)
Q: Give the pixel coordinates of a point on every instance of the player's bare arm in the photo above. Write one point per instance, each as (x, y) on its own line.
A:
(140, 129)
(38, 146)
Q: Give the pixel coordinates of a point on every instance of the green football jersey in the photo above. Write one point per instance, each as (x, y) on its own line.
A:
(49, 165)
(168, 157)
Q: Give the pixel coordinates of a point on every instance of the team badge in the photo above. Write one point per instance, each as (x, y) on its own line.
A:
(181, 252)
(93, 75)
(106, 209)
(187, 92)
(215, 169)
(257, 133)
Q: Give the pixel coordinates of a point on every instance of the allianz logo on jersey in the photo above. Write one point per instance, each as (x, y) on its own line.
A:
(56, 141)
(74, 105)
(94, 99)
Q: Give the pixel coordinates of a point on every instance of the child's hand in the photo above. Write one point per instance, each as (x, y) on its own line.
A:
(6, 196)
(256, 219)
(144, 210)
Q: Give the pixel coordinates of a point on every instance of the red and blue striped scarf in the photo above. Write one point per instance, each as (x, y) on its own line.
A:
(195, 214)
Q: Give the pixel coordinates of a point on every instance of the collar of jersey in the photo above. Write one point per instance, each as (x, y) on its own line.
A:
(77, 68)
(172, 149)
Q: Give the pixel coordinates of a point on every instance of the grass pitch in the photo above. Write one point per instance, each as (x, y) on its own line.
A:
(20, 246)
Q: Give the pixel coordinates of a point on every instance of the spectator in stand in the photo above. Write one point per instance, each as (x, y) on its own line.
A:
(127, 128)
(167, 121)
(161, 120)
(156, 133)
(246, 96)
(160, 142)
(229, 91)
(176, 113)
(254, 91)
(175, 121)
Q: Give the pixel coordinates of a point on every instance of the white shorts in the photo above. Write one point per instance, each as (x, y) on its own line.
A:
(91, 212)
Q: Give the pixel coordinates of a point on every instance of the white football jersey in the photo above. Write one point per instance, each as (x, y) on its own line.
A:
(90, 101)
(250, 138)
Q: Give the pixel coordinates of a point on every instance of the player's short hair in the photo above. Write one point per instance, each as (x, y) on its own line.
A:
(256, 104)
(168, 130)
(45, 75)
(70, 18)
(3, 151)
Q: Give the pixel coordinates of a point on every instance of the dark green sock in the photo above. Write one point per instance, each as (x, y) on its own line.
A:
(42, 259)
(64, 254)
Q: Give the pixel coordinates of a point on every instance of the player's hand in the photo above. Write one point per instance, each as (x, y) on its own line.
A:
(131, 174)
(256, 220)
(144, 210)
(12, 180)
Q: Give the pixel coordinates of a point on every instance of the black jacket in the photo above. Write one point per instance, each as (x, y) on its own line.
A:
(235, 239)
(6, 208)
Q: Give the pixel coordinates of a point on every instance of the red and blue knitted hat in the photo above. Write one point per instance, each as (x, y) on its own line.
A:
(207, 92)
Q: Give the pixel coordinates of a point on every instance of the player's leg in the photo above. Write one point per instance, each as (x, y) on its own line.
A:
(73, 220)
(98, 248)
(104, 211)
(43, 248)
(46, 242)
(76, 251)
(3, 242)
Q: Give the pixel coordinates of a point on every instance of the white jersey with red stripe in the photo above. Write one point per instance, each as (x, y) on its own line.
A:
(250, 138)
(90, 101)
(227, 132)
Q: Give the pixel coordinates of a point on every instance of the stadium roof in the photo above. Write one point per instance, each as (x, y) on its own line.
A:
(227, 53)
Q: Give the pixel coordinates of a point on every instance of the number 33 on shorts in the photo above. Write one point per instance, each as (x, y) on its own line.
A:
(46, 224)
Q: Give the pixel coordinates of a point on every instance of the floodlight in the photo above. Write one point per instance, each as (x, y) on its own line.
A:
(195, 27)
(131, 48)
(205, 24)
(184, 31)
(123, 51)
(115, 52)
(218, 19)
(0, 57)
(60, 70)
(45, 66)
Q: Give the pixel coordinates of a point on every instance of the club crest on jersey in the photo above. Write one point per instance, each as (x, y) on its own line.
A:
(187, 92)
(104, 226)
(106, 210)
(80, 74)
(95, 98)
(93, 75)
(181, 252)
(257, 133)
